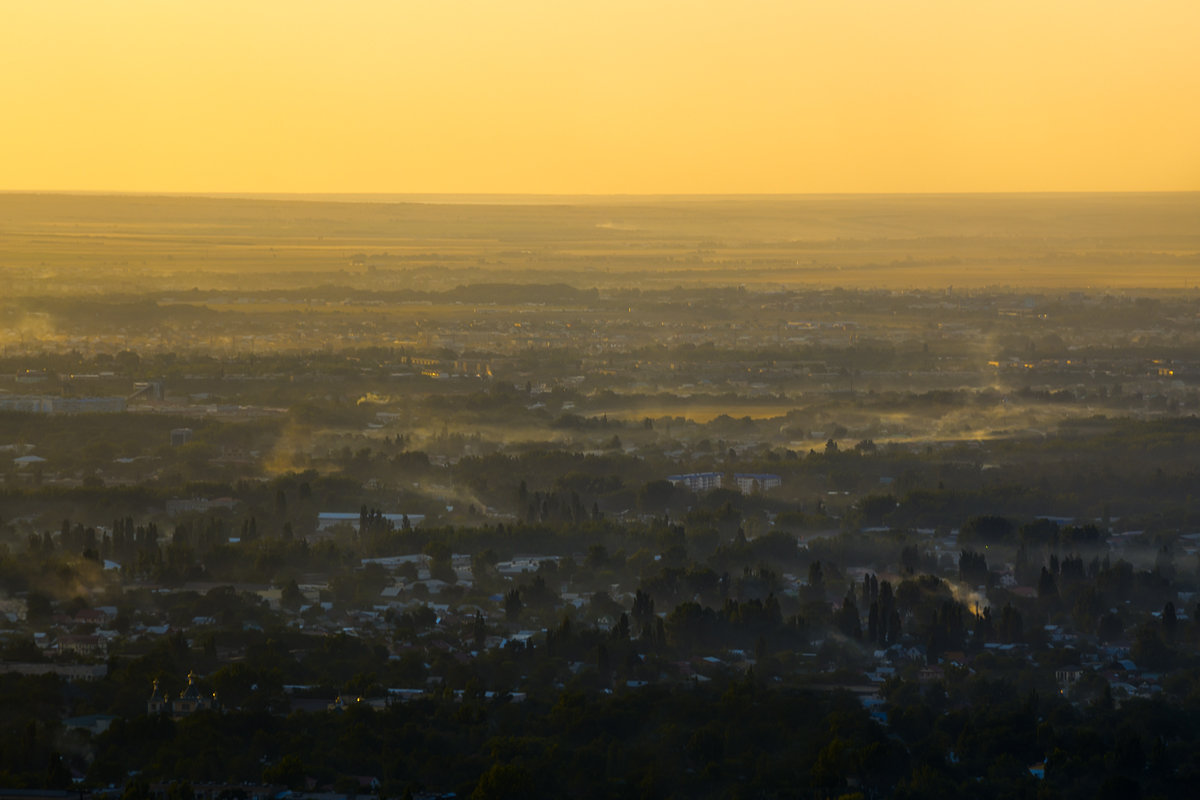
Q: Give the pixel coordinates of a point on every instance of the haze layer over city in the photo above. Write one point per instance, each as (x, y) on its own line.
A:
(599, 400)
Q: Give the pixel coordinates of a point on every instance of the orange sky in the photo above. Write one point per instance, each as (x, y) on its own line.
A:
(548, 96)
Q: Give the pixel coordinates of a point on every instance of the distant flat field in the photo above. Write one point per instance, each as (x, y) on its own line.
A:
(93, 243)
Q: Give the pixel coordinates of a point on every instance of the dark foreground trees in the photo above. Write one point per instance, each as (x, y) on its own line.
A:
(654, 742)
(966, 736)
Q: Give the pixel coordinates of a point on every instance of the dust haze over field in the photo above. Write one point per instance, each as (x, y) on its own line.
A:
(80, 244)
(774, 309)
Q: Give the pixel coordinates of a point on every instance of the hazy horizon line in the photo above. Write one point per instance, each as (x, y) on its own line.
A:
(515, 198)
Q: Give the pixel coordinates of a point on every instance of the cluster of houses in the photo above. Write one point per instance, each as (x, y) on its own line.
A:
(76, 646)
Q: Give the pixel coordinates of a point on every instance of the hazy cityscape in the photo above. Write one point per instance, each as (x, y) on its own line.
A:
(599, 400)
(278, 506)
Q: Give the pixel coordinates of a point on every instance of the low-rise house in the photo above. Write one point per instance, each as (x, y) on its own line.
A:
(91, 616)
(85, 645)
(931, 674)
(1068, 676)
